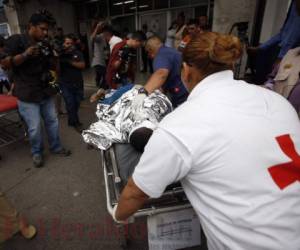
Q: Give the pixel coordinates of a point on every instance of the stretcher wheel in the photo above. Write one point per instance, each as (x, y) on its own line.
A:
(124, 240)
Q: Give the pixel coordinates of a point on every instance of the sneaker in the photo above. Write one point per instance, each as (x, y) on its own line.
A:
(29, 232)
(62, 152)
(26, 230)
(38, 161)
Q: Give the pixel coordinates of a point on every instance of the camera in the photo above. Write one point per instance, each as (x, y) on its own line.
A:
(44, 48)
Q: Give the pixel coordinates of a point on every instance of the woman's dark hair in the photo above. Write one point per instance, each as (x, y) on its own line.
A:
(212, 52)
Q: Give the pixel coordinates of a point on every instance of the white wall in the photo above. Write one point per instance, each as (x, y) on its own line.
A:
(274, 17)
(12, 19)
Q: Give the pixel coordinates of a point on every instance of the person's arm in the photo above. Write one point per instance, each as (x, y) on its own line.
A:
(291, 41)
(78, 62)
(78, 65)
(19, 59)
(157, 80)
(96, 30)
(117, 64)
(131, 200)
(117, 58)
(275, 40)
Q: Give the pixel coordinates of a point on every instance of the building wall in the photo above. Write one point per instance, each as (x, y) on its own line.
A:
(20, 14)
(12, 19)
(226, 13)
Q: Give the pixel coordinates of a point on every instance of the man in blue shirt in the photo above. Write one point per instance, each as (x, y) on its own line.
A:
(276, 47)
(166, 76)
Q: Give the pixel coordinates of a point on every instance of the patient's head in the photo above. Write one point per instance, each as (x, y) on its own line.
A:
(140, 137)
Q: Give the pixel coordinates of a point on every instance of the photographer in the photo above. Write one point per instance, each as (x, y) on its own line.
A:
(31, 60)
(71, 63)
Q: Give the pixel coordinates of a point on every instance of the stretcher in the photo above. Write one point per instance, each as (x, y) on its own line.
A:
(11, 126)
(172, 200)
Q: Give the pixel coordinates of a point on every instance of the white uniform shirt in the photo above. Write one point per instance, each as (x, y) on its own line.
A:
(99, 56)
(221, 145)
(113, 41)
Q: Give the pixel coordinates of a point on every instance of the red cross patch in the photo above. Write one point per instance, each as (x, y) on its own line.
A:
(287, 173)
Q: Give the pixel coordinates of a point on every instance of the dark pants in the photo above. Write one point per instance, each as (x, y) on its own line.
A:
(4, 83)
(100, 76)
(72, 96)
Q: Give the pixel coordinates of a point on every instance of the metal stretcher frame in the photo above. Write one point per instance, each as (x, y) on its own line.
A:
(9, 128)
(113, 181)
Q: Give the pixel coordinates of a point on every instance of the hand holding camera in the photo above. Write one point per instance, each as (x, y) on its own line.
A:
(32, 51)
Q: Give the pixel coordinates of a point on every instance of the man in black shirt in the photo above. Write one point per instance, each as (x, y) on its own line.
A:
(71, 80)
(31, 60)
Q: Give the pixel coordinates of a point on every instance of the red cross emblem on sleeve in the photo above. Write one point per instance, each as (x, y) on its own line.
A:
(287, 173)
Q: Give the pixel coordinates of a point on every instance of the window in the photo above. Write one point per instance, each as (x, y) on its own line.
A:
(144, 5)
(129, 6)
(4, 30)
(116, 7)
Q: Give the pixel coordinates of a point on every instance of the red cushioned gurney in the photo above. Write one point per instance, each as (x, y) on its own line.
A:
(8, 103)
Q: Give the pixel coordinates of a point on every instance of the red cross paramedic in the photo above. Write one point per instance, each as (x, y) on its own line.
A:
(234, 148)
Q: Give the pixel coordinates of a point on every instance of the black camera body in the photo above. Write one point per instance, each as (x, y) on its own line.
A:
(45, 49)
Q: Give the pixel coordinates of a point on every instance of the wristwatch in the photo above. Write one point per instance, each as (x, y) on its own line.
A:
(142, 90)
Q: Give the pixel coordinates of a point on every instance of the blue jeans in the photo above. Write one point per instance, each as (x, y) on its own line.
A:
(32, 114)
(73, 97)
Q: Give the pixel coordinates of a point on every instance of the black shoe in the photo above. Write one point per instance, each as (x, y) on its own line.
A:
(63, 152)
(38, 161)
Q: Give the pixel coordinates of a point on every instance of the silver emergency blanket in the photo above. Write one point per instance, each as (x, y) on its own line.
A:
(117, 121)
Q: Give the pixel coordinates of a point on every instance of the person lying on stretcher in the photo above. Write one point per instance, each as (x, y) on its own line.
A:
(120, 123)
